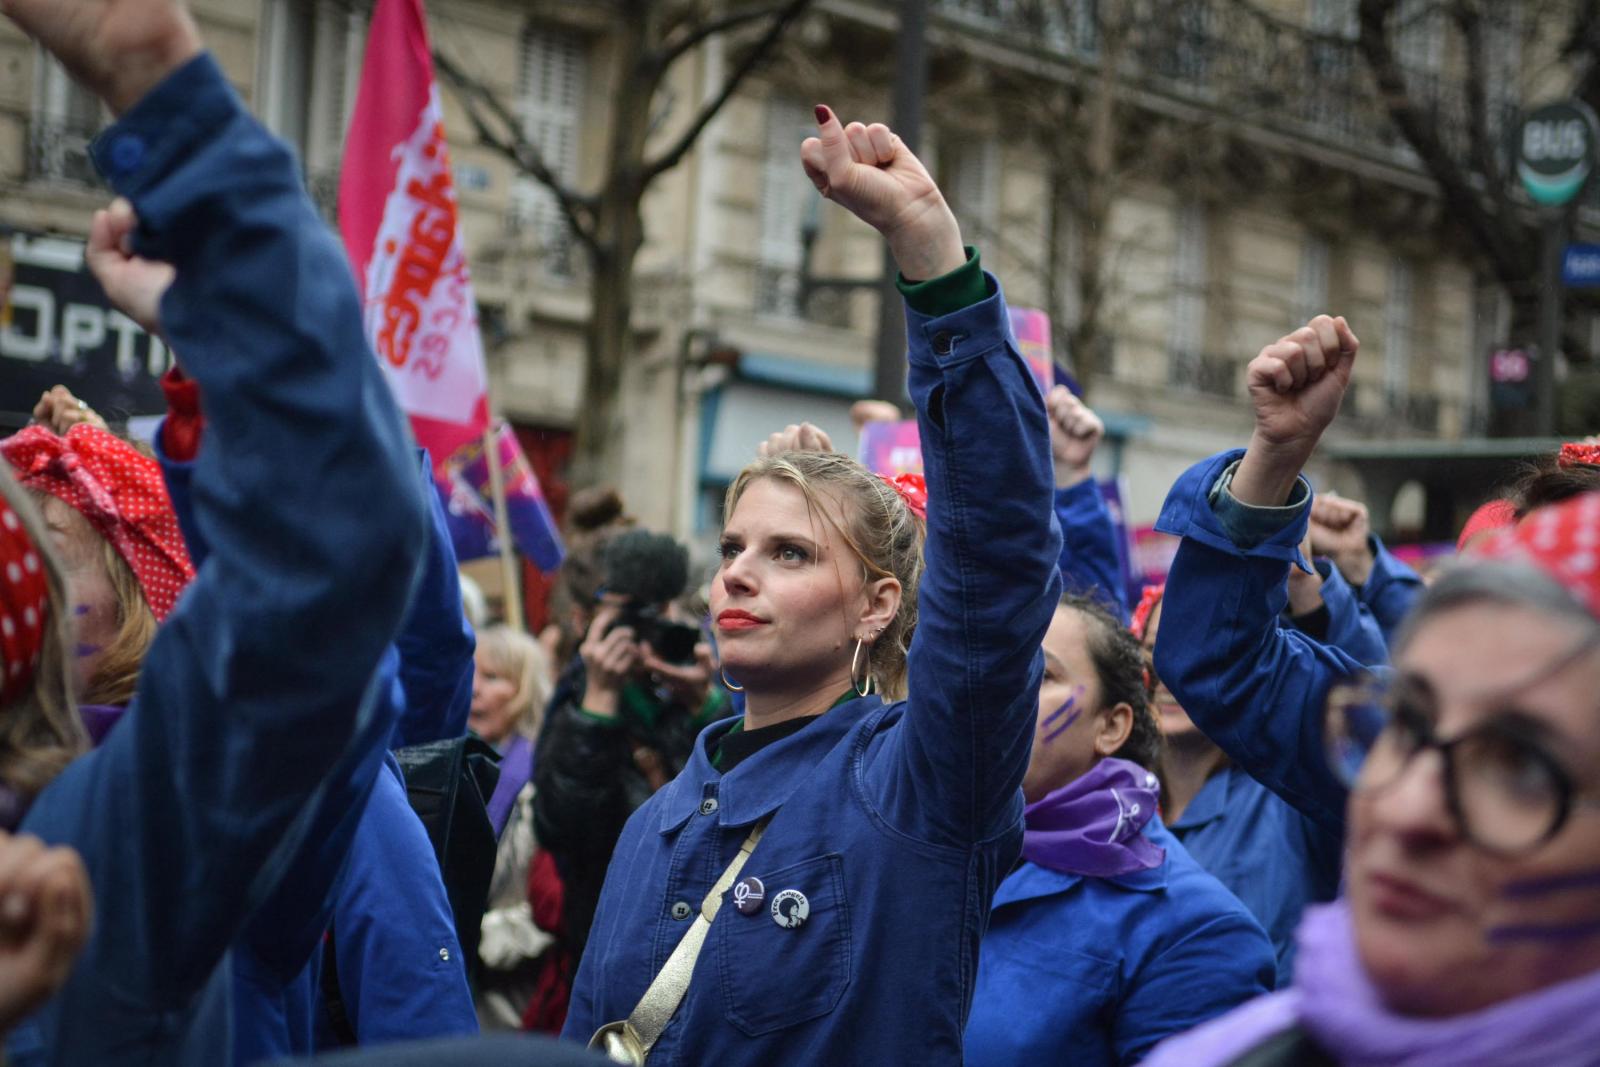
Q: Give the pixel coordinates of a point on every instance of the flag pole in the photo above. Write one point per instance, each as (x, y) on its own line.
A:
(510, 572)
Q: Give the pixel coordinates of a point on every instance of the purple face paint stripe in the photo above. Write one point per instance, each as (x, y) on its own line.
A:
(1059, 730)
(1066, 705)
(1541, 932)
(88, 650)
(1538, 887)
(80, 609)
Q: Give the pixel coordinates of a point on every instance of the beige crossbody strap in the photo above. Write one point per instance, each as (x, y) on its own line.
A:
(661, 1000)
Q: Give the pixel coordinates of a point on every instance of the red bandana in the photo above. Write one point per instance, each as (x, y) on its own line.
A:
(1563, 541)
(1495, 515)
(1147, 603)
(1575, 452)
(24, 600)
(913, 489)
(119, 491)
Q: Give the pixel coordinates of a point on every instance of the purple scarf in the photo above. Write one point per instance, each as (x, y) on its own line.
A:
(516, 767)
(1340, 1007)
(1094, 825)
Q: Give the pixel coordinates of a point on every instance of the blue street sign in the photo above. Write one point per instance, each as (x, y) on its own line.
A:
(1580, 267)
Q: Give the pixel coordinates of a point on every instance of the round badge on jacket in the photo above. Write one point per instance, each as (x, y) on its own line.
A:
(790, 909)
(748, 895)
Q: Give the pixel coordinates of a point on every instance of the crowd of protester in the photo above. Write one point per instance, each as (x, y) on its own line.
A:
(905, 781)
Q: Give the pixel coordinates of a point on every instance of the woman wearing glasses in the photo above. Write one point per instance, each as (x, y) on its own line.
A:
(1469, 933)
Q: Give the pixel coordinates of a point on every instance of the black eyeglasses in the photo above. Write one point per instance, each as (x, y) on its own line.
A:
(1505, 789)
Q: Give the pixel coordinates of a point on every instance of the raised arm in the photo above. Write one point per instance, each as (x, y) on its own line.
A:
(1089, 561)
(261, 687)
(991, 585)
(1254, 687)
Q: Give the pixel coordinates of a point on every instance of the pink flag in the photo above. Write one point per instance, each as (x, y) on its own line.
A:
(397, 212)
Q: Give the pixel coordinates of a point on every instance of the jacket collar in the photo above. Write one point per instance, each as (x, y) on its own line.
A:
(1209, 804)
(760, 784)
(1033, 882)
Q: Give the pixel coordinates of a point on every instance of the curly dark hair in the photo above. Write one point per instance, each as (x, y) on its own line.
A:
(1550, 483)
(1119, 664)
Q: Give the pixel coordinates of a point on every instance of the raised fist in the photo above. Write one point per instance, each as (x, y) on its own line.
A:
(1075, 432)
(1340, 530)
(1298, 381)
(119, 49)
(870, 172)
(134, 285)
(802, 438)
(45, 914)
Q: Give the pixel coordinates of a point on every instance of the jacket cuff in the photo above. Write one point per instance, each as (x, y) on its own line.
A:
(1200, 507)
(948, 293)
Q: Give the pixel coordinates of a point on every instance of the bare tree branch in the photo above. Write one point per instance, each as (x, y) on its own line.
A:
(1468, 15)
(670, 158)
(1507, 249)
(577, 209)
(675, 49)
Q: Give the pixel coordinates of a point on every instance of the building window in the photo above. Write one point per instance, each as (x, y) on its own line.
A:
(972, 184)
(786, 197)
(1331, 89)
(1397, 325)
(1419, 40)
(310, 71)
(550, 82)
(1186, 336)
(66, 116)
(1311, 282)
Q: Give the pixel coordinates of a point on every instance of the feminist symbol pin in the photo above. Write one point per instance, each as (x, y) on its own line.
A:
(790, 909)
(748, 895)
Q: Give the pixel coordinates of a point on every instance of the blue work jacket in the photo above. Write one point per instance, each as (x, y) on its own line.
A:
(401, 972)
(1351, 625)
(1254, 687)
(1089, 561)
(1093, 972)
(261, 704)
(896, 822)
(1390, 589)
(1274, 859)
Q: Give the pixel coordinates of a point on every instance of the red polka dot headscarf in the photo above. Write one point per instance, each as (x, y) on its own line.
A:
(1563, 541)
(24, 602)
(119, 491)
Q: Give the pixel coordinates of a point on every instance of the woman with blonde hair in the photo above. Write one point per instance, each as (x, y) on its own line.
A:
(812, 887)
(509, 690)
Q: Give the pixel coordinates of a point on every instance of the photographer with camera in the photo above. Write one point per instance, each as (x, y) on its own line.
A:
(621, 723)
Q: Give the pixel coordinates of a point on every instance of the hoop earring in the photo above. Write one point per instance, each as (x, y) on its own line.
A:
(731, 687)
(861, 688)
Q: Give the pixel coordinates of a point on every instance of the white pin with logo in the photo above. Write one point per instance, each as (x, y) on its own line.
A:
(790, 909)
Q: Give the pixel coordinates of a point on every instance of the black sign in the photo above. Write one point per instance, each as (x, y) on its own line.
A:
(1555, 151)
(63, 331)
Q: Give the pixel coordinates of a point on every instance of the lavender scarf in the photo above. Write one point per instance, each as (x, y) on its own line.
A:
(1094, 825)
(1338, 1005)
(516, 767)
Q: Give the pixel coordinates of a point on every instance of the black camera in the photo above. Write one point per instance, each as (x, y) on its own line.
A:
(672, 641)
(649, 570)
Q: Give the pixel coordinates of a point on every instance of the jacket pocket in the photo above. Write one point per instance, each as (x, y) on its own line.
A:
(775, 976)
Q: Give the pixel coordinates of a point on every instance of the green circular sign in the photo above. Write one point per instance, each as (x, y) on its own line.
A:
(1555, 151)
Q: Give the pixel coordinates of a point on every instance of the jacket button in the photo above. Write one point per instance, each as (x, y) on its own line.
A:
(943, 342)
(681, 910)
(708, 806)
(444, 954)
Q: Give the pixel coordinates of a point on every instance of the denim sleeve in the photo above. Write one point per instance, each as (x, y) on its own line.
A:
(951, 773)
(259, 694)
(1249, 525)
(1255, 688)
(1089, 561)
